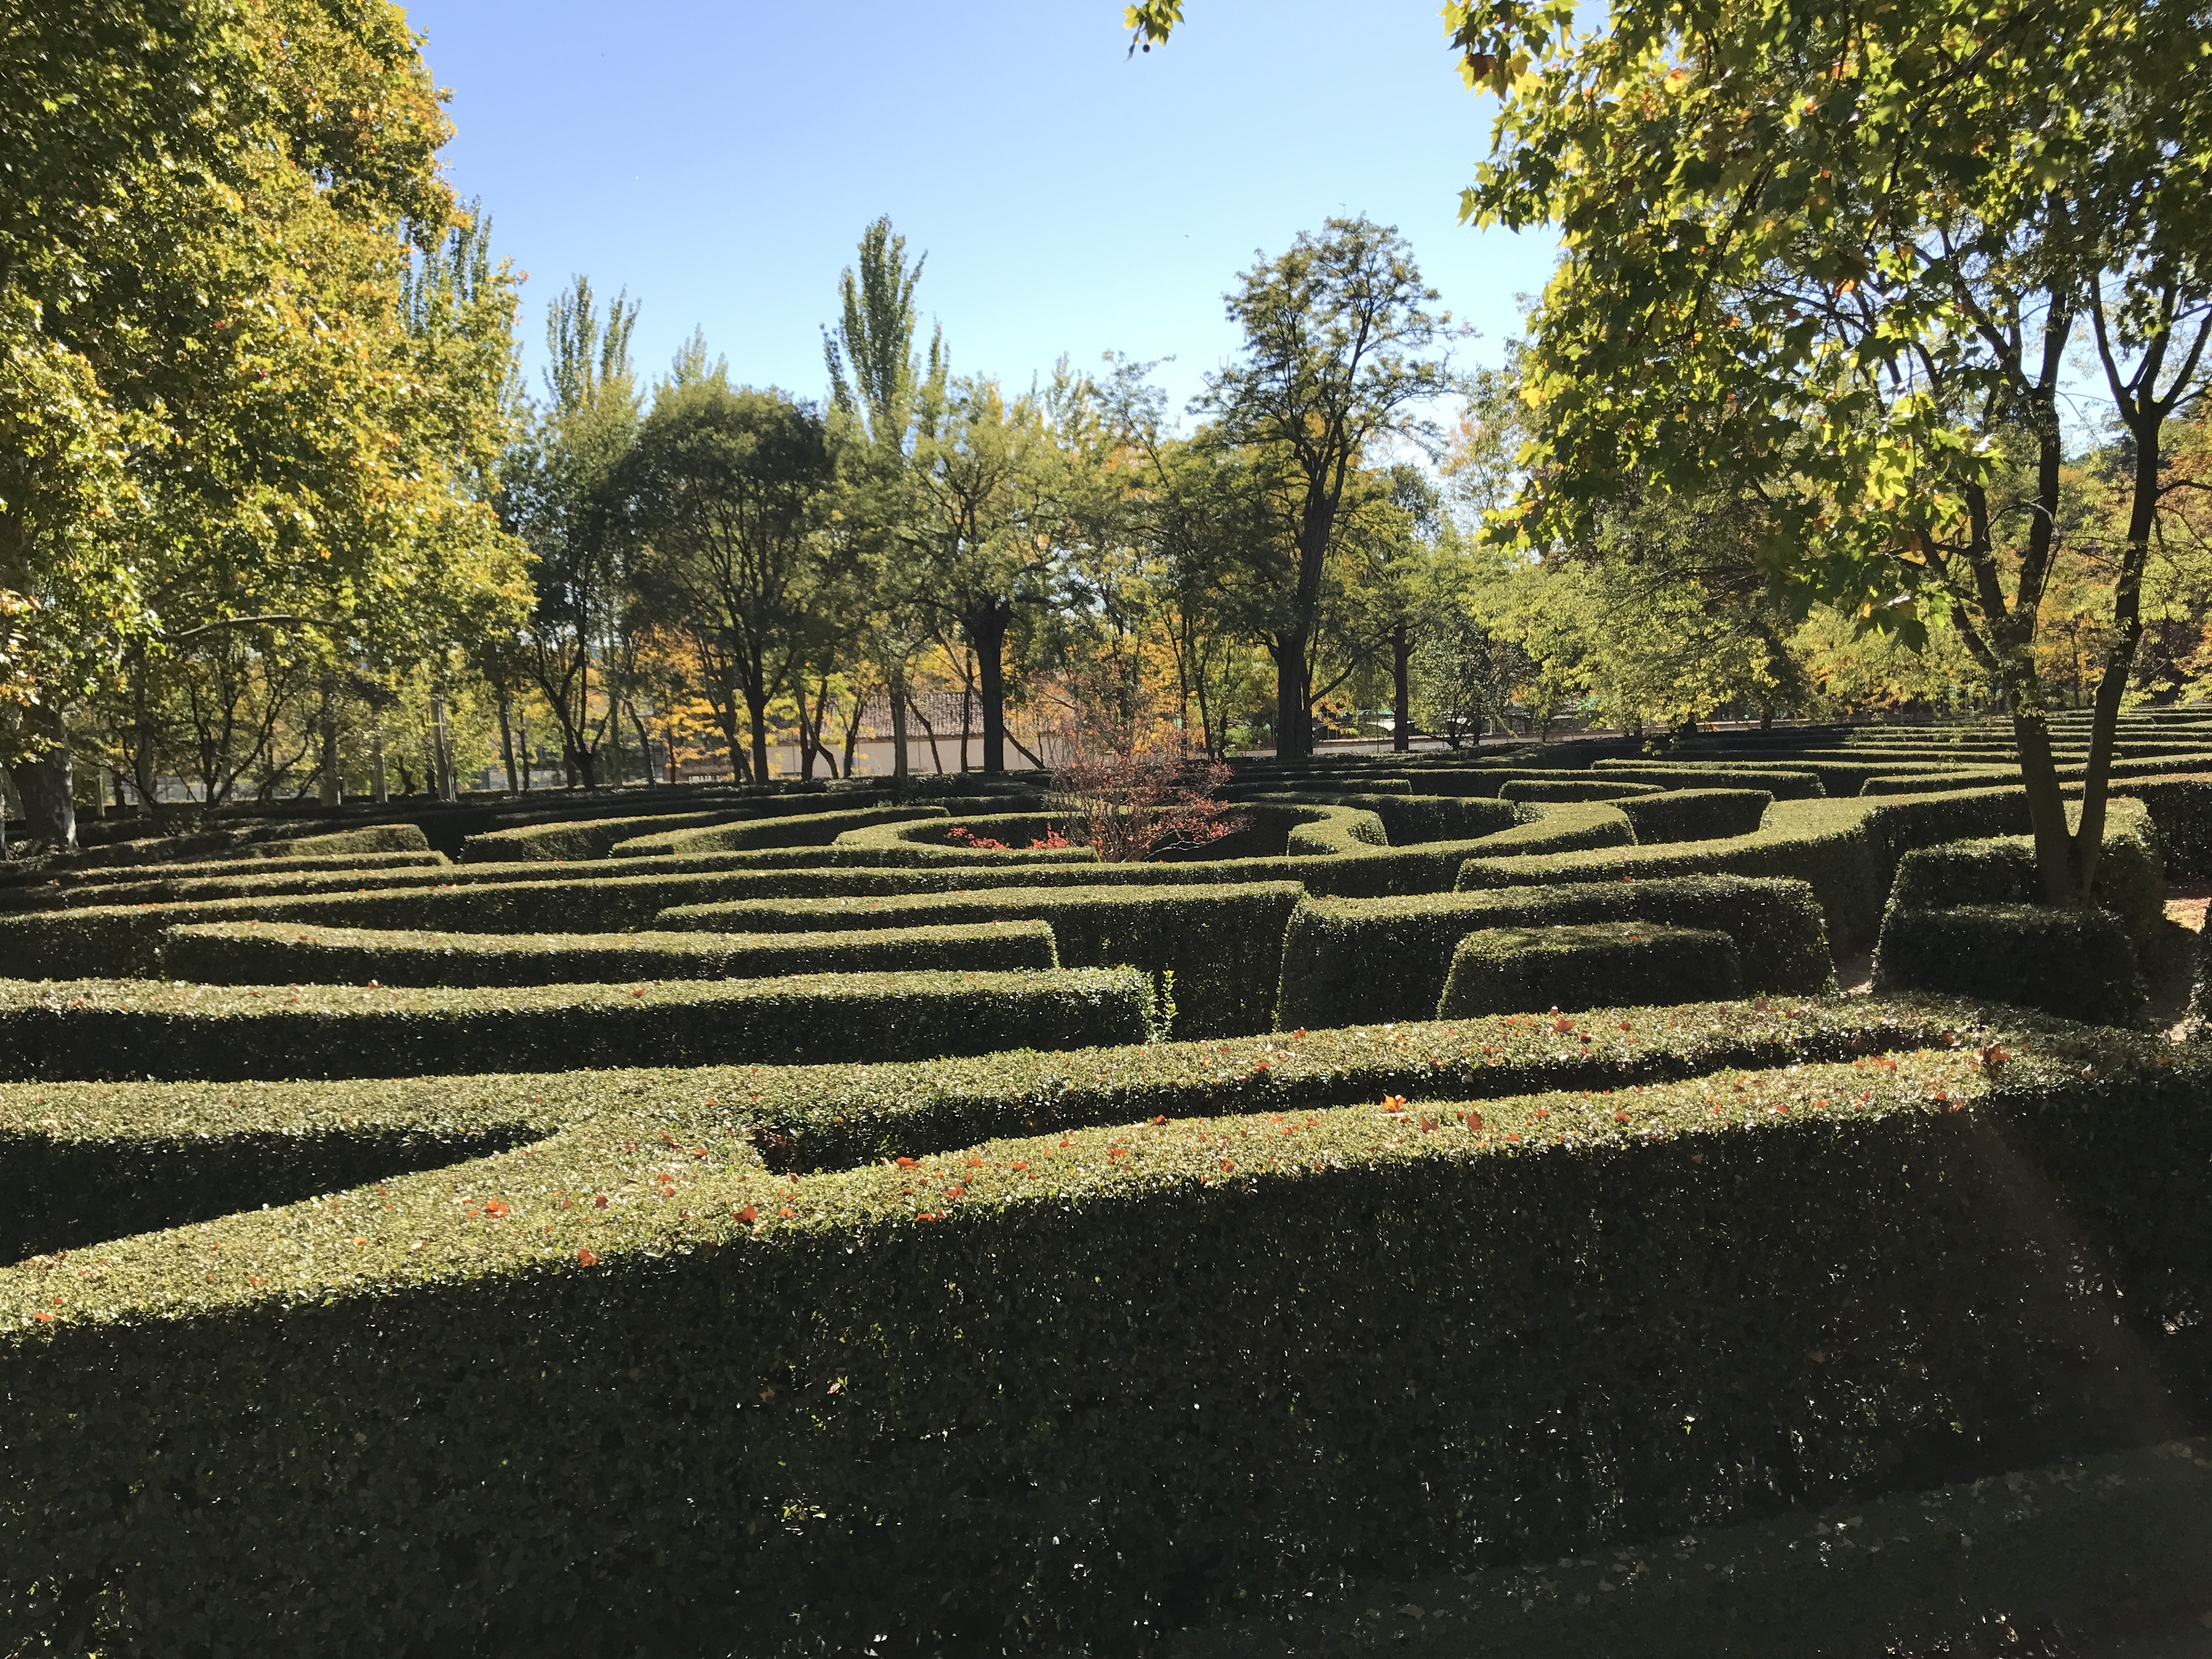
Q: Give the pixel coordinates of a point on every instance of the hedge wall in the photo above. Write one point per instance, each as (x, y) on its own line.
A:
(1499, 970)
(1334, 829)
(104, 1029)
(1224, 943)
(1344, 960)
(256, 953)
(1053, 1380)
(795, 830)
(1560, 827)
(566, 839)
(1825, 844)
(2078, 963)
(1782, 783)
(2130, 883)
(134, 884)
(1408, 818)
(1549, 789)
(928, 841)
(86, 1162)
(373, 838)
(1696, 814)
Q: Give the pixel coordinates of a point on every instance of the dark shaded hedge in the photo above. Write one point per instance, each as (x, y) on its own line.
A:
(91, 1029)
(2075, 963)
(1118, 1377)
(1779, 780)
(1696, 814)
(2129, 882)
(1569, 968)
(89, 1161)
(255, 953)
(1224, 943)
(1346, 961)
(801, 830)
(1573, 788)
(1409, 818)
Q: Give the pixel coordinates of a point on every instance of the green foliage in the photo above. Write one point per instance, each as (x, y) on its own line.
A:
(2130, 881)
(252, 953)
(1223, 941)
(57, 1029)
(397, 1322)
(1696, 814)
(2079, 962)
(1348, 960)
(1571, 967)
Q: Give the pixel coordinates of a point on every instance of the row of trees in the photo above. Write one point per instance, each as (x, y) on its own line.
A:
(1830, 271)
(276, 513)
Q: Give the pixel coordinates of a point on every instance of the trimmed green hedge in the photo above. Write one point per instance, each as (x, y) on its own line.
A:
(2130, 879)
(132, 883)
(1408, 818)
(793, 829)
(2077, 962)
(1223, 943)
(1559, 827)
(373, 838)
(932, 835)
(411, 1416)
(1571, 788)
(1696, 814)
(1346, 961)
(256, 953)
(1500, 971)
(98, 1029)
(1333, 829)
(568, 840)
(86, 1162)
(1782, 783)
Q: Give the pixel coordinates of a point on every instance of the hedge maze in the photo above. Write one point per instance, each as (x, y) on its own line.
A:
(753, 1223)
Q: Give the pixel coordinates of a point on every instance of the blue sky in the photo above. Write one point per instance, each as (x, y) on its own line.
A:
(721, 160)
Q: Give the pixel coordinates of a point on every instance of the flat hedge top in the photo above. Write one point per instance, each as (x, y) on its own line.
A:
(624, 1190)
(427, 942)
(65, 997)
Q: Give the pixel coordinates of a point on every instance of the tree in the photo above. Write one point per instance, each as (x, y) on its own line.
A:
(888, 395)
(1836, 263)
(986, 539)
(559, 497)
(223, 413)
(1335, 334)
(726, 488)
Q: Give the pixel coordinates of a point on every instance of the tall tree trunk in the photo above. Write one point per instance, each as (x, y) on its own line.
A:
(1293, 718)
(757, 709)
(2046, 802)
(987, 631)
(141, 750)
(522, 743)
(1401, 702)
(806, 728)
(328, 792)
(895, 685)
(378, 791)
(645, 744)
(442, 749)
(505, 738)
(45, 785)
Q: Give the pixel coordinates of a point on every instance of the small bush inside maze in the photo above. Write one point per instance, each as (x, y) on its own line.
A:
(1503, 970)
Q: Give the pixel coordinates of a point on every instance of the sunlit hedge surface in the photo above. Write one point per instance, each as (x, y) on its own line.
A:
(1075, 1380)
(137, 1028)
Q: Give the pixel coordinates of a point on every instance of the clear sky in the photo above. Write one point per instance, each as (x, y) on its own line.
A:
(721, 160)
